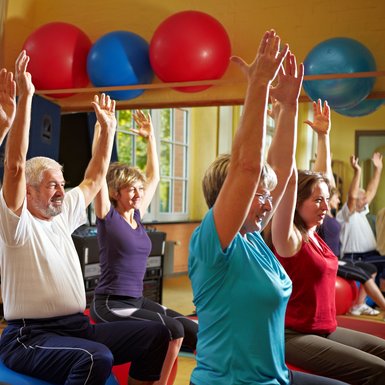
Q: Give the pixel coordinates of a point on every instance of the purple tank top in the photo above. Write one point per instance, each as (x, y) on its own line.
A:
(123, 255)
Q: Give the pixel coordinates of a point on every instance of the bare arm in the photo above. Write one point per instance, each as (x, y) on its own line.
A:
(285, 237)
(354, 184)
(102, 202)
(321, 125)
(235, 197)
(7, 102)
(281, 155)
(97, 168)
(14, 185)
(146, 130)
(371, 188)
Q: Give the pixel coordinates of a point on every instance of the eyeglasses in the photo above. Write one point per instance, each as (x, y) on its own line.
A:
(263, 198)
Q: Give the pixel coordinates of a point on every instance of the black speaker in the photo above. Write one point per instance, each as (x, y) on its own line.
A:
(44, 134)
(75, 147)
(76, 135)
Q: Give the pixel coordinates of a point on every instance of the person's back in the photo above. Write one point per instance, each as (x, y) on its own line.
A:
(356, 235)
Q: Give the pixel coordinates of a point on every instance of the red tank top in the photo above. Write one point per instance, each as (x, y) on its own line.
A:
(311, 307)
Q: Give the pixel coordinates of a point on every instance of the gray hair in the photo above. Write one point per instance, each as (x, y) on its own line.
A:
(35, 168)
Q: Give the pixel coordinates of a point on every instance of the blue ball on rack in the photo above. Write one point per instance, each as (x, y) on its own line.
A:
(337, 56)
(363, 108)
(120, 58)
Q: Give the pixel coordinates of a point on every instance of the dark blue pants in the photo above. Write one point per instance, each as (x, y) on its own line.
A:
(373, 257)
(69, 350)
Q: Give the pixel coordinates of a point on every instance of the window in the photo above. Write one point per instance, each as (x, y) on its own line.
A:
(171, 131)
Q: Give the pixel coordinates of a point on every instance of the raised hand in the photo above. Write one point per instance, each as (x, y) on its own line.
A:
(105, 111)
(7, 101)
(289, 81)
(354, 162)
(377, 160)
(269, 58)
(23, 78)
(144, 124)
(321, 123)
(273, 112)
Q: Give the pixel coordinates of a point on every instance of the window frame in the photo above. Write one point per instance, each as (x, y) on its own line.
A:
(154, 214)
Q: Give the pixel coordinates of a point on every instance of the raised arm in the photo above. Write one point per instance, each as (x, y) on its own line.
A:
(237, 192)
(321, 126)
(146, 130)
(371, 188)
(281, 155)
(97, 168)
(7, 102)
(102, 202)
(14, 184)
(354, 184)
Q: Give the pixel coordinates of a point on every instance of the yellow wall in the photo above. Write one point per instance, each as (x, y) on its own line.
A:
(204, 128)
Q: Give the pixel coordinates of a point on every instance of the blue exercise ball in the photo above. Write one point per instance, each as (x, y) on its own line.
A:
(120, 58)
(334, 56)
(363, 108)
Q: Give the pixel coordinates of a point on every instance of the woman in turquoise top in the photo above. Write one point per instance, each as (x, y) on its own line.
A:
(240, 289)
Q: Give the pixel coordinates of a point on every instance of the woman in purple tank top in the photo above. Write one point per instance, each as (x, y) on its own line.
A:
(124, 247)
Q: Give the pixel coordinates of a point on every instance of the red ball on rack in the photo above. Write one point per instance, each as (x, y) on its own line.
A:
(58, 53)
(190, 46)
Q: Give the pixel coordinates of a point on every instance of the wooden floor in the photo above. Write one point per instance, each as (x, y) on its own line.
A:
(177, 295)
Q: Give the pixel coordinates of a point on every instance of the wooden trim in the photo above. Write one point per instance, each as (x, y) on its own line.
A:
(157, 86)
(359, 133)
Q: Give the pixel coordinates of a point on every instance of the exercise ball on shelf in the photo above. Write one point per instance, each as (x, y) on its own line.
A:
(120, 58)
(58, 53)
(190, 46)
(363, 108)
(346, 293)
(336, 56)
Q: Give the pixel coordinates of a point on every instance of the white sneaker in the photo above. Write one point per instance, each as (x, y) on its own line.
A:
(363, 309)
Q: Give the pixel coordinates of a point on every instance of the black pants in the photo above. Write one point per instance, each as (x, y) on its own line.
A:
(108, 308)
(70, 350)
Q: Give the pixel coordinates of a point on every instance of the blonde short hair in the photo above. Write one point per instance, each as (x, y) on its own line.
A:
(121, 175)
(216, 174)
(35, 168)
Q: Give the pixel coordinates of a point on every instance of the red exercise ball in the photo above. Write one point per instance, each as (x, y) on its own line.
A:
(346, 295)
(121, 373)
(190, 46)
(58, 53)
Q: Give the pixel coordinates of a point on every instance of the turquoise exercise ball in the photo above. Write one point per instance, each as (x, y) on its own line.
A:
(120, 58)
(336, 56)
(363, 108)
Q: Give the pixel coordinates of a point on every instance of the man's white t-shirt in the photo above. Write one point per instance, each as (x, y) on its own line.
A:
(41, 275)
(356, 235)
